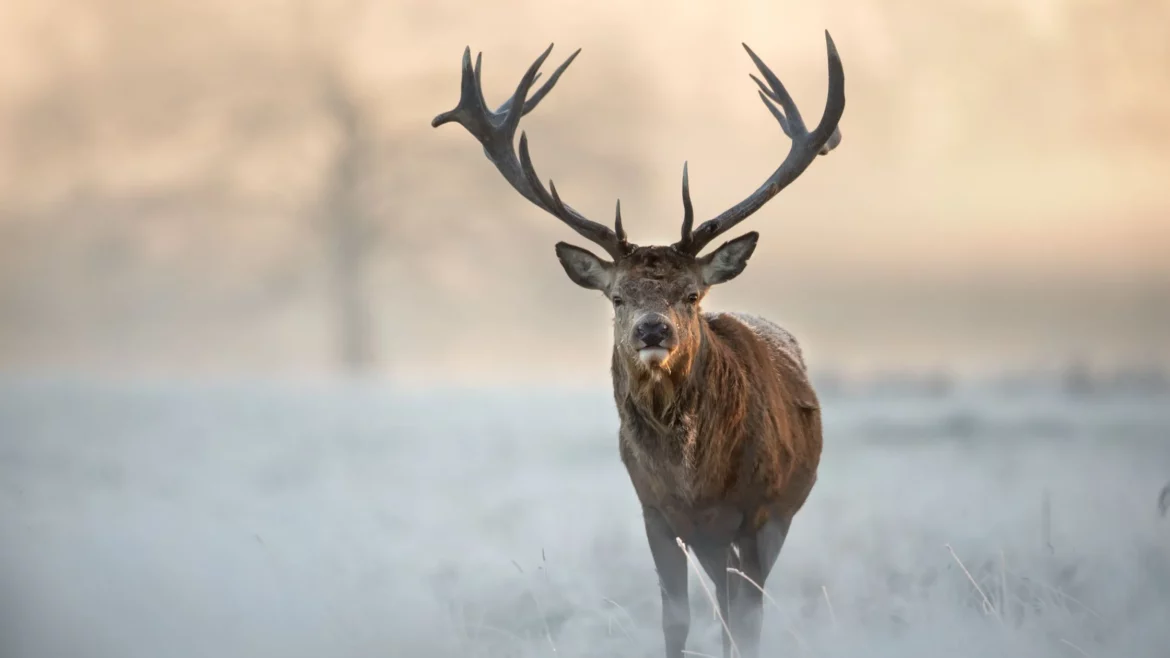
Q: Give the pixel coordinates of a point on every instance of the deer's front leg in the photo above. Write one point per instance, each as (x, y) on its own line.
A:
(671, 564)
(758, 554)
(715, 561)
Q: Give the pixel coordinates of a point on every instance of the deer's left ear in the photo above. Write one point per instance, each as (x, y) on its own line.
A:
(726, 262)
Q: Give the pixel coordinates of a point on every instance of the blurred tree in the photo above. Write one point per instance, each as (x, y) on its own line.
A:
(382, 206)
(341, 215)
(346, 226)
(208, 192)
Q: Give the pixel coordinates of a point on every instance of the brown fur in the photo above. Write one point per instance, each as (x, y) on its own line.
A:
(738, 424)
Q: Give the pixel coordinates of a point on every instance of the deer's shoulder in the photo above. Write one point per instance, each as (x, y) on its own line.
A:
(781, 343)
(787, 357)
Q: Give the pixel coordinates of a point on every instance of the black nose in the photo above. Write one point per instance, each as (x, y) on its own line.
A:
(652, 333)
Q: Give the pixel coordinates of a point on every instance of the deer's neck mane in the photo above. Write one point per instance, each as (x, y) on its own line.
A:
(736, 407)
(708, 386)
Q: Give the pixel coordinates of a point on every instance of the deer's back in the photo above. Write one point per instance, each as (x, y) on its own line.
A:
(781, 343)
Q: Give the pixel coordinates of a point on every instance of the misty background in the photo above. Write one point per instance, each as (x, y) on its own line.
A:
(286, 372)
(255, 188)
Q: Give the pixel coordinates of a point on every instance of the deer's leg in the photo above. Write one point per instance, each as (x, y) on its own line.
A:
(671, 564)
(715, 561)
(757, 554)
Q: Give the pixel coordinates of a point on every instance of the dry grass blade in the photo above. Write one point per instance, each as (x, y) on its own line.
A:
(625, 612)
(829, 602)
(539, 608)
(1076, 648)
(1003, 588)
(988, 606)
(799, 640)
(711, 597)
(1059, 593)
(544, 620)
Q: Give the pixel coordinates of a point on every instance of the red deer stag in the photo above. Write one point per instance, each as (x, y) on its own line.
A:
(720, 427)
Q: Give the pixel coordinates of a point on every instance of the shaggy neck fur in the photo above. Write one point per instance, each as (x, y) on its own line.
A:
(726, 396)
(702, 376)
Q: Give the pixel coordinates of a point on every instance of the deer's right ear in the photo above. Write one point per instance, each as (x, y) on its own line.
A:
(585, 269)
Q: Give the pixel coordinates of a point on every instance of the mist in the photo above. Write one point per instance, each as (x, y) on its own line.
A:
(284, 371)
(295, 520)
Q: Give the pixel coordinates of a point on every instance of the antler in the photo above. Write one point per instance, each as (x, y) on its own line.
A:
(496, 131)
(805, 147)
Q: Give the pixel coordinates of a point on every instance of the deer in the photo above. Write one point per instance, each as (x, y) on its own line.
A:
(720, 426)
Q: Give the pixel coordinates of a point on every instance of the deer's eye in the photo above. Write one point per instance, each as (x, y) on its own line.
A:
(617, 301)
(693, 298)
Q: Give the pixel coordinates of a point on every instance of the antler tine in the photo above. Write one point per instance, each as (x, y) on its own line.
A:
(805, 147)
(496, 132)
(479, 79)
(617, 222)
(531, 103)
(776, 91)
(688, 209)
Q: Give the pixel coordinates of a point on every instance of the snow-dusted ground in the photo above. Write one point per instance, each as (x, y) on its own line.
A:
(255, 520)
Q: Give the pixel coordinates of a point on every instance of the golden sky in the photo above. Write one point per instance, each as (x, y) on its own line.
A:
(999, 193)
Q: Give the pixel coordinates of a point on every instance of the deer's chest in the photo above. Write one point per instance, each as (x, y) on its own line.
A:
(662, 465)
(668, 481)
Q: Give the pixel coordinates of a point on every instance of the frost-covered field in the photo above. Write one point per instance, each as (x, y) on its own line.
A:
(174, 521)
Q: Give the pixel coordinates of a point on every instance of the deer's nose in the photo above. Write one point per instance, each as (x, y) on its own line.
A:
(652, 332)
